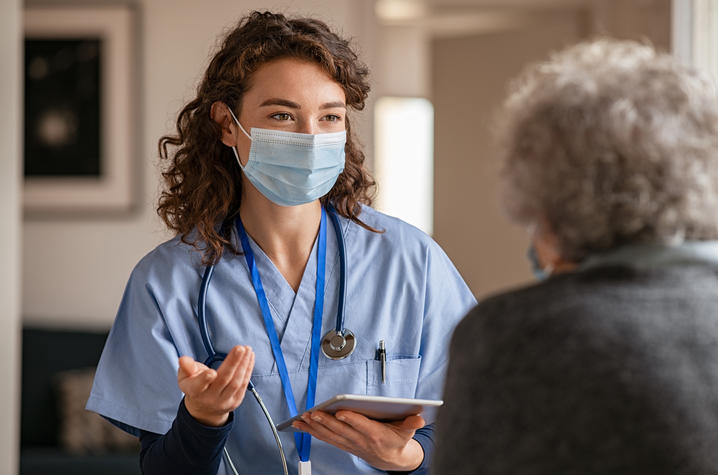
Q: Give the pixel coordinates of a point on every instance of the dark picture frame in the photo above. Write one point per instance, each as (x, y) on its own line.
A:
(78, 118)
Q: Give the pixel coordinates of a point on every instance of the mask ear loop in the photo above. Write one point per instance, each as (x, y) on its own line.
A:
(546, 268)
(234, 149)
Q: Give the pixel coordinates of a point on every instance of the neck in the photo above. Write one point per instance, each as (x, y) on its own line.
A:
(285, 234)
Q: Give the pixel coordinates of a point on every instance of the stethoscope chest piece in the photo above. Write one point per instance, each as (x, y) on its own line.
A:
(338, 345)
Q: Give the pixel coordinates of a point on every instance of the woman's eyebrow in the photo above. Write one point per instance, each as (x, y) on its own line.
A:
(276, 101)
(332, 105)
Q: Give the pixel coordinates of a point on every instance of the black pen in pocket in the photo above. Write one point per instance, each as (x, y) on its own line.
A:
(381, 356)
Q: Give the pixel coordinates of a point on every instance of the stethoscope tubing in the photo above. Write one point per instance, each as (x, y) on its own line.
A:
(214, 357)
(342, 270)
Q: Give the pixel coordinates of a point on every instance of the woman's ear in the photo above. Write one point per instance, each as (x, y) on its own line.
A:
(220, 114)
(548, 249)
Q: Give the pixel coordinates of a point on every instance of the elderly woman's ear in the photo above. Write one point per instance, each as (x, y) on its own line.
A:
(547, 249)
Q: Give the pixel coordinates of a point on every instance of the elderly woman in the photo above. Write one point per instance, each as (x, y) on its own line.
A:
(610, 364)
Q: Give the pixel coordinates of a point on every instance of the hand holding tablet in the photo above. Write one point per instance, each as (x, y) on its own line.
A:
(380, 408)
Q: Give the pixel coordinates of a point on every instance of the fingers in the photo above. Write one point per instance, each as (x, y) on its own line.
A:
(325, 427)
(359, 422)
(194, 377)
(365, 425)
(235, 388)
(348, 432)
(188, 367)
(373, 430)
(225, 373)
(247, 374)
(227, 383)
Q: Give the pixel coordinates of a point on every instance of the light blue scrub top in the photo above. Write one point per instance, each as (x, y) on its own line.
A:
(401, 287)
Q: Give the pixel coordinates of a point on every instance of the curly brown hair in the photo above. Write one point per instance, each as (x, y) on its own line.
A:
(202, 181)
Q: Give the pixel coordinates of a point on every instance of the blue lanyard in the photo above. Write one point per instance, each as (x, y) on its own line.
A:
(303, 440)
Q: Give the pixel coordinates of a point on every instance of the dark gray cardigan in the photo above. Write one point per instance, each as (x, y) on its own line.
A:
(612, 370)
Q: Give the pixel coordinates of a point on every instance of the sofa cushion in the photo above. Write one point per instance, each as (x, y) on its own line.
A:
(82, 431)
(46, 352)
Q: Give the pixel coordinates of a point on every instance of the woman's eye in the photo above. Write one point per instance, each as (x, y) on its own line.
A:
(332, 118)
(281, 116)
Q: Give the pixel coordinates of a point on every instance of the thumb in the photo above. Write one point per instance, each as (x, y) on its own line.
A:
(411, 423)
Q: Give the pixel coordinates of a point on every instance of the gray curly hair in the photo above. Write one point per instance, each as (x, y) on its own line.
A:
(611, 143)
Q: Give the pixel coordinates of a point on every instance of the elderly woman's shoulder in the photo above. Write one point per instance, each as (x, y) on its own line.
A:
(563, 300)
(608, 304)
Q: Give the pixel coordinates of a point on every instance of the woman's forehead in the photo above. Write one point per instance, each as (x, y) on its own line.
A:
(296, 80)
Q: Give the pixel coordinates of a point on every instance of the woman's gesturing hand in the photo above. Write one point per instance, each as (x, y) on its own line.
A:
(211, 395)
(383, 445)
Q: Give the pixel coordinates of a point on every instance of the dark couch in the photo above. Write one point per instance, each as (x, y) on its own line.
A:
(45, 353)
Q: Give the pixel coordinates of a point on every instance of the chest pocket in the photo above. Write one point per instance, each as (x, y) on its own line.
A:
(340, 377)
(402, 376)
(360, 377)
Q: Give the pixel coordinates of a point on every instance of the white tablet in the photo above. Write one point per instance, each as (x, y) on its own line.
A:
(380, 408)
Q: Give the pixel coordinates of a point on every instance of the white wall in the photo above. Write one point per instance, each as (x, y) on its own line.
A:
(403, 62)
(74, 270)
(10, 120)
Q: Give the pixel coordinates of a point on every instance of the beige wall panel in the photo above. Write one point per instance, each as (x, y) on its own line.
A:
(469, 81)
(634, 19)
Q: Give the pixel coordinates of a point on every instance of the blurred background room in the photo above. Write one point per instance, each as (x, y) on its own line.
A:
(87, 88)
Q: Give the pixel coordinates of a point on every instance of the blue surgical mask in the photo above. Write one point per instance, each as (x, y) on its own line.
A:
(290, 168)
(538, 270)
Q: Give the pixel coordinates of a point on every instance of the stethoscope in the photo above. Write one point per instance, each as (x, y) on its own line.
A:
(336, 344)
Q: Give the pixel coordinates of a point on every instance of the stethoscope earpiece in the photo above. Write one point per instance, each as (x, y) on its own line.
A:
(337, 345)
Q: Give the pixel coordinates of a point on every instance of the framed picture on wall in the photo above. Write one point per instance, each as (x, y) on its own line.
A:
(78, 117)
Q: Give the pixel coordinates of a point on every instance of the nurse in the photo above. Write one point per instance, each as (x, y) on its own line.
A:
(264, 181)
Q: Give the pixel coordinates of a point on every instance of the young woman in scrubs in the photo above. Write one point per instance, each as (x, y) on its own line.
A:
(261, 156)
